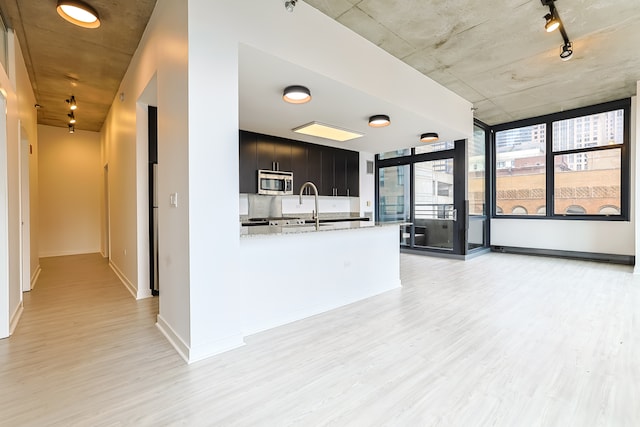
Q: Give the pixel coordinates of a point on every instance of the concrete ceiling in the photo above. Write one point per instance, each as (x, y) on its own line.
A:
(496, 53)
(63, 59)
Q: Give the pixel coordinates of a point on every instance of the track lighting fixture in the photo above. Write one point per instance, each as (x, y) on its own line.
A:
(553, 22)
(429, 137)
(296, 94)
(289, 5)
(566, 51)
(72, 103)
(72, 118)
(78, 13)
(379, 121)
(72, 128)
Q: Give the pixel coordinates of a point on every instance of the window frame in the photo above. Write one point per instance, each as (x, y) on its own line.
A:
(622, 104)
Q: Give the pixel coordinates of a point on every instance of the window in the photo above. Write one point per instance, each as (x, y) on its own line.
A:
(520, 169)
(572, 164)
(588, 175)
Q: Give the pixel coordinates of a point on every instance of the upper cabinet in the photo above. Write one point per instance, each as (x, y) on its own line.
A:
(273, 153)
(335, 172)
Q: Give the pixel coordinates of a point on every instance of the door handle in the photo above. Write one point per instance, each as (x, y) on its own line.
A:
(455, 214)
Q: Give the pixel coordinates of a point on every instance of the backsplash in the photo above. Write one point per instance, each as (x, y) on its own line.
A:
(261, 206)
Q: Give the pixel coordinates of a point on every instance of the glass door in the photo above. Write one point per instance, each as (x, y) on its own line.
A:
(394, 196)
(434, 213)
(426, 187)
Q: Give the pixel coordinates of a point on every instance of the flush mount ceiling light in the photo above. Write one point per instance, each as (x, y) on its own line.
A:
(429, 137)
(289, 5)
(78, 13)
(72, 103)
(379, 121)
(553, 21)
(72, 118)
(566, 51)
(296, 94)
(325, 131)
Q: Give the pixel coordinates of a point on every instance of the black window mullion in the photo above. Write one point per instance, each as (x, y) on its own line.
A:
(550, 171)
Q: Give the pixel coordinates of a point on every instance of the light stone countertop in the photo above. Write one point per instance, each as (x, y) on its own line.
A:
(271, 230)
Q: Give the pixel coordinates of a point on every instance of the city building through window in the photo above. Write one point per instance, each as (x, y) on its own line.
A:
(573, 164)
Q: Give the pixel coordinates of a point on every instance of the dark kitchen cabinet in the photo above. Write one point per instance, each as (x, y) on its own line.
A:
(334, 171)
(274, 153)
(353, 173)
(299, 165)
(314, 166)
(340, 172)
(248, 163)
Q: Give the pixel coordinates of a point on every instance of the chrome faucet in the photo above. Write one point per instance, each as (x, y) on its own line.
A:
(315, 191)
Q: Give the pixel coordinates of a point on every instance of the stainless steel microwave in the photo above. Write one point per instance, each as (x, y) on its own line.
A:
(275, 182)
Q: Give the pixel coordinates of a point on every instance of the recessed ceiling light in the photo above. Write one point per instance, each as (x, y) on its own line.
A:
(429, 137)
(379, 121)
(296, 94)
(322, 130)
(78, 13)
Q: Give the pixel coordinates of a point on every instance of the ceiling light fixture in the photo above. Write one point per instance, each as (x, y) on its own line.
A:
(379, 121)
(78, 13)
(72, 118)
(296, 94)
(566, 51)
(429, 137)
(325, 131)
(72, 128)
(72, 103)
(553, 21)
(289, 5)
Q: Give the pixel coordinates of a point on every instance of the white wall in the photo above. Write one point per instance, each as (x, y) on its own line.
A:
(18, 97)
(70, 179)
(601, 237)
(157, 75)
(367, 186)
(27, 114)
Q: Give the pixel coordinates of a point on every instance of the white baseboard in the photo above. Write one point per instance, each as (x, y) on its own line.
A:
(35, 276)
(127, 284)
(174, 339)
(190, 355)
(15, 318)
(51, 254)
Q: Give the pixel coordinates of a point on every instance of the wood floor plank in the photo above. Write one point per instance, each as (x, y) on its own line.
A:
(500, 340)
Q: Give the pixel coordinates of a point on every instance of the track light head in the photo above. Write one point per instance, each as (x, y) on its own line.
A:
(566, 51)
(72, 128)
(72, 103)
(289, 5)
(552, 22)
(72, 118)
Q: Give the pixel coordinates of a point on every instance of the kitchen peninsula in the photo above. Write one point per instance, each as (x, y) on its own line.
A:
(298, 273)
(310, 253)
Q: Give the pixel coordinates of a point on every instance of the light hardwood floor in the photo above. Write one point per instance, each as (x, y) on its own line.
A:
(506, 340)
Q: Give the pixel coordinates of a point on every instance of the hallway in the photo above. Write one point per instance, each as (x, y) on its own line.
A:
(497, 340)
